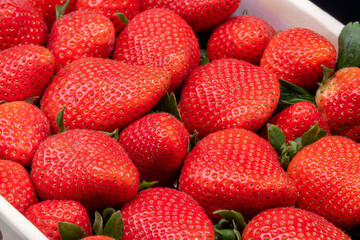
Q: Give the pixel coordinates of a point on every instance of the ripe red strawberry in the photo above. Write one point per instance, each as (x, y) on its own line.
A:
(157, 144)
(296, 55)
(337, 101)
(16, 185)
(228, 93)
(326, 174)
(25, 71)
(159, 38)
(238, 170)
(129, 8)
(81, 34)
(21, 23)
(297, 119)
(291, 223)
(202, 15)
(22, 128)
(102, 94)
(164, 213)
(85, 166)
(242, 37)
(46, 216)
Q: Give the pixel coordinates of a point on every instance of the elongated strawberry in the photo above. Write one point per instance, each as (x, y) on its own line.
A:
(102, 94)
(159, 38)
(228, 93)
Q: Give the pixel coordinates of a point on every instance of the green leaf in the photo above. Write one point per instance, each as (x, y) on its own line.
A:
(70, 231)
(349, 46)
(168, 104)
(59, 119)
(233, 216)
(312, 135)
(122, 18)
(145, 185)
(98, 226)
(60, 10)
(204, 58)
(107, 213)
(291, 93)
(31, 100)
(327, 73)
(276, 137)
(193, 141)
(114, 134)
(115, 226)
(224, 234)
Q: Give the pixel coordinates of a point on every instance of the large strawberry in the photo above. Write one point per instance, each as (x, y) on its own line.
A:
(159, 38)
(326, 174)
(102, 94)
(16, 185)
(291, 223)
(337, 101)
(85, 166)
(164, 213)
(25, 71)
(81, 34)
(296, 55)
(21, 23)
(202, 15)
(228, 93)
(22, 128)
(236, 169)
(242, 37)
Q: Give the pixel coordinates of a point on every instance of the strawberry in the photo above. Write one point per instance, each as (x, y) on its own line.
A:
(157, 144)
(81, 34)
(21, 24)
(238, 170)
(25, 71)
(337, 101)
(98, 238)
(16, 185)
(164, 213)
(326, 174)
(296, 55)
(228, 93)
(159, 38)
(242, 37)
(202, 15)
(291, 223)
(22, 128)
(129, 8)
(102, 94)
(46, 216)
(85, 166)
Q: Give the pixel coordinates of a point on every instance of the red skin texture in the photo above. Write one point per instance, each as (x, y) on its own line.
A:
(157, 144)
(296, 55)
(46, 216)
(242, 37)
(338, 101)
(164, 213)
(16, 185)
(22, 128)
(291, 223)
(159, 38)
(21, 24)
(202, 15)
(238, 170)
(228, 93)
(25, 71)
(326, 174)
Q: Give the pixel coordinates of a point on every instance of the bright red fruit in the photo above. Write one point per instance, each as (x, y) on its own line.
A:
(164, 213)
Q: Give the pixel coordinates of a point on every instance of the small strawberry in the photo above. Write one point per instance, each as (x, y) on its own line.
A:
(21, 24)
(25, 71)
(157, 144)
(46, 216)
(291, 223)
(238, 170)
(22, 128)
(202, 15)
(102, 94)
(228, 93)
(326, 174)
(81, 34)
(296, 55)
(16, 185)
(164, 213)
(85, 166)
(242, 37)
(159, 38)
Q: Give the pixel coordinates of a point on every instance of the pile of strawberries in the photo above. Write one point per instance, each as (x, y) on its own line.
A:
(261, 145)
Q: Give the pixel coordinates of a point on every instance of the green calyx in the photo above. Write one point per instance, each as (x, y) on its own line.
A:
(60, 10)
(349, 46)
(122, 18)
(168, 104)
(145, 185)
(59, 119)
(204, 58)
(114, 134)
(230, 226)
